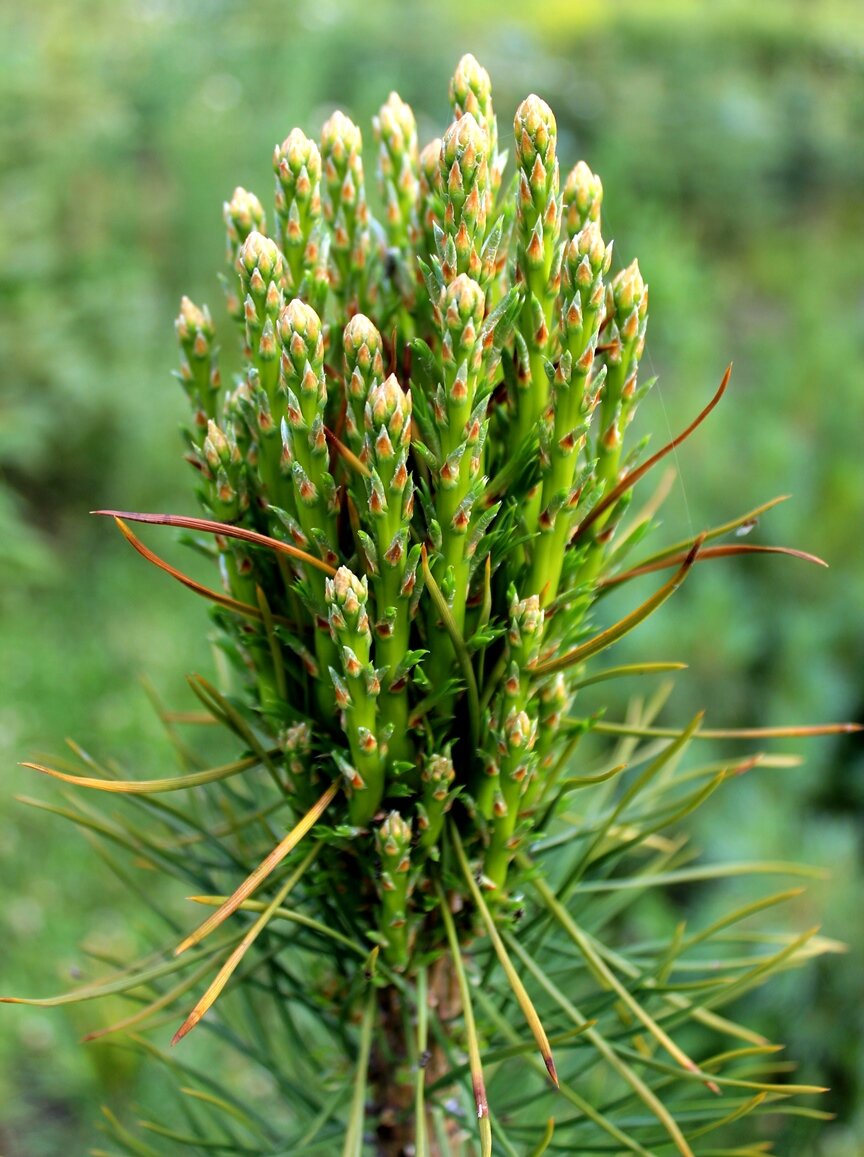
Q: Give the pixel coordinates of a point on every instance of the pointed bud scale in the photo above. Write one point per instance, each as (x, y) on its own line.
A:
(534, 251)
(377, 497)
(350, 663)
(395, 553)
(342, 694)
(512, 684)
(307, 491)
(366, 740)
(267, 347)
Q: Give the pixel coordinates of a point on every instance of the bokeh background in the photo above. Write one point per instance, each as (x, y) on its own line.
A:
(730, 137)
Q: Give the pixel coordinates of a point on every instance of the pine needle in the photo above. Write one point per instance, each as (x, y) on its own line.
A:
(216, 597)
(610, 981)
(354, 1136)
(231, 964)
(226, 529)
(519, 991)
(623, 626)
(256, 878)
(152, 786)
(477, 1081)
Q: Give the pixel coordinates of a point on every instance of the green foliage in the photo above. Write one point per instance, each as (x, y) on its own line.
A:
(406, 620)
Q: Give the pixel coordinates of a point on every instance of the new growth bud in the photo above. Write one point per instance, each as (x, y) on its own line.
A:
(437, 777)
(261, 267)
(471, 89)
(297, 164)
(464, 183)
(356, 688)
(393, 841)
(259, 262)
(199, 372)
(301, 333)
(363, 366)
(535, 131)
(347, 595)
(627, 302)
(526, 626)
(193, 325)
(430, 207)
(538, 205)
(243, 214)
(389, 407)
(463, 305)
(224, 474)
(345, 208)
(471, 92)
(584, 266)
(583, 198)
(396, 133)
(538, 225)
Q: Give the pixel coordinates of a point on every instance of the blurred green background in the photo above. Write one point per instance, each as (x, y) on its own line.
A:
(729, 138)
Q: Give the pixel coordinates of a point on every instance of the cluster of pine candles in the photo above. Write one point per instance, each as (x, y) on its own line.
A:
(417, 495)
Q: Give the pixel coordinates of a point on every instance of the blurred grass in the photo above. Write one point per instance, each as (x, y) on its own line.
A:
(728, 137)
